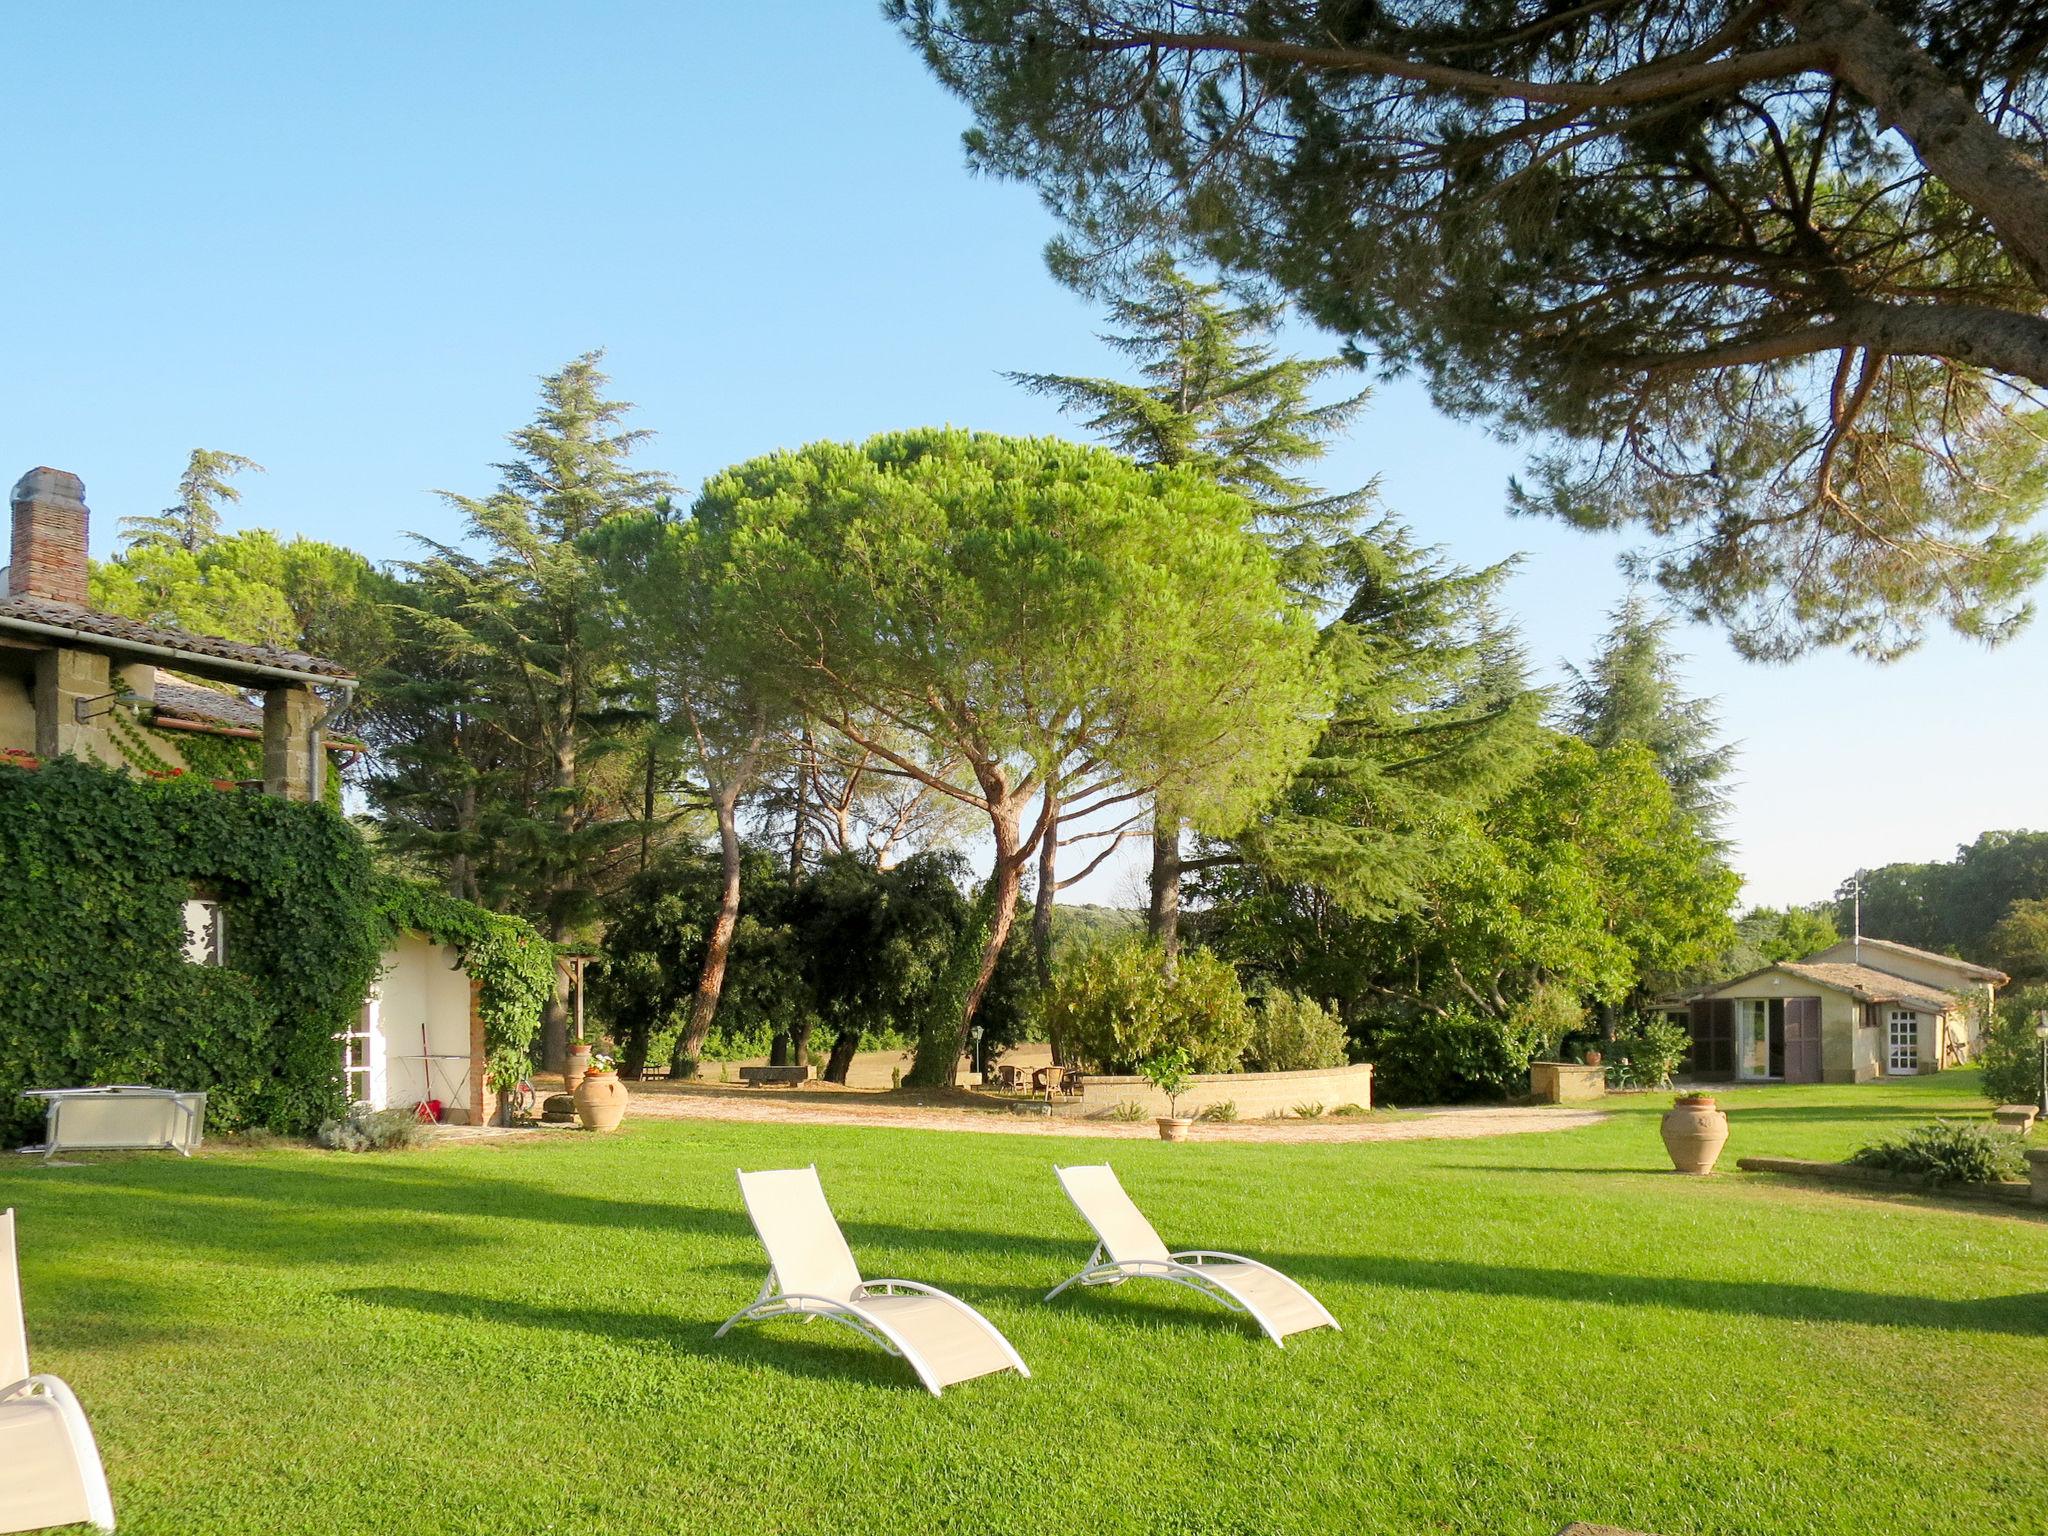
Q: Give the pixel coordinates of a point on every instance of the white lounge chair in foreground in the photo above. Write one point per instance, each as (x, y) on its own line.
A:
(811, 1273)
(49, 1467)
(1128, 1249)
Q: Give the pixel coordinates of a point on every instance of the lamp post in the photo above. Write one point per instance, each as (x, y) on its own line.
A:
(977, 1045)
(2041, 1034)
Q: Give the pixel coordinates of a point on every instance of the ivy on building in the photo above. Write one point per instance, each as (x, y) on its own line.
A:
(96, 867)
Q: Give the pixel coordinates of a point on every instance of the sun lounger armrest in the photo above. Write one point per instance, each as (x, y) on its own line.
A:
(99, 1503)
(1198, 1254)
(884, 1287)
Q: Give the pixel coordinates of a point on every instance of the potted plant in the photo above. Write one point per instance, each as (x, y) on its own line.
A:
(1594, 1056)
(1694, 1129)
(600, 1097)
(575, 1062)
(1168, 1072)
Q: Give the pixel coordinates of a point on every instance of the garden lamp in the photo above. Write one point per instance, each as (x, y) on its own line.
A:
(2041, 1034)
(977, 1044)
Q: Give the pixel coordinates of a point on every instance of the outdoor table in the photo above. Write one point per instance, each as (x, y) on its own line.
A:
(131, 1117)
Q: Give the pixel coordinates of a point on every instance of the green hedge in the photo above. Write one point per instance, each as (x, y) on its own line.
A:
(95, 868)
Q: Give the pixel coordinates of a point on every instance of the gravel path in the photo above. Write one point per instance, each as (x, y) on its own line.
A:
(1433, 1125)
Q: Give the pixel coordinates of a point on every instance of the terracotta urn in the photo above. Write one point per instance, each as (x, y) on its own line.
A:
(1594, 1058)
(600, 1101)
(1174, 1127)
(575, 1062)
(1695, 1130)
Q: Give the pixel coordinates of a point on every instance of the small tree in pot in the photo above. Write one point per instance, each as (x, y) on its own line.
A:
(1168, 1072)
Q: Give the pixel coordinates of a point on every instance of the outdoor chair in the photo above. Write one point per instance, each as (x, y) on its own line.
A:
(49, 1467)
(1128, 1249)
(811, 1274)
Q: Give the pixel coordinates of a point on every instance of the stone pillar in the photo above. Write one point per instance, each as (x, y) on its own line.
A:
(64, 677)
(289, 714)
(2037, 1173)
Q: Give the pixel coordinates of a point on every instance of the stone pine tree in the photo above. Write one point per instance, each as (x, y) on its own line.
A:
(1018, 613)
(1765, 283)
(1213, 393)
(1632, 690)
(513, 616)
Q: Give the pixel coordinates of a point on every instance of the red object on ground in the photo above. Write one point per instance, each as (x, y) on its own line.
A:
(429, 1110)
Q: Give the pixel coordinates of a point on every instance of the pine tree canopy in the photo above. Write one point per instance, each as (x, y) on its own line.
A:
(1766, 284)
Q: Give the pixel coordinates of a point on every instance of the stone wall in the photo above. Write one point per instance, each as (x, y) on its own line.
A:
(1256, 1094)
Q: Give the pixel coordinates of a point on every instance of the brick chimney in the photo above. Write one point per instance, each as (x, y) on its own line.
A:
(49, 537)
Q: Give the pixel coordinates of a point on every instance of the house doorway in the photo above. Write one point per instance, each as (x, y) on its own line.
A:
(1758, 1039)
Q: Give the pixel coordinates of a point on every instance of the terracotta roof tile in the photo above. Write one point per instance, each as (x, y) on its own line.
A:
(90, 623)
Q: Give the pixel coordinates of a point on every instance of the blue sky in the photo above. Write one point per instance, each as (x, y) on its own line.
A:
(344, 239)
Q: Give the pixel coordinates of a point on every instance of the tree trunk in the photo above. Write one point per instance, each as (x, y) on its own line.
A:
(1939, 118)
(778, 1048)
(949, 1014)
(1048, 887)
(799, 809)
(718, 948)
(800, 1043)
(844, 1047)
(554, 1019)
(1162, 918)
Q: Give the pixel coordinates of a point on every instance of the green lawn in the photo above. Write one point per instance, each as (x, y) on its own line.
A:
(517, 1338)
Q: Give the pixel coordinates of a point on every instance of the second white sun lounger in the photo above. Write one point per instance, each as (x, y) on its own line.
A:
(1128, 1249)
(811, 1274)
(49, 1467)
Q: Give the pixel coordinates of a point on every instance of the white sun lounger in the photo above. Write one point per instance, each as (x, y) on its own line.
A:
(1128, 1249)
(49, 1467)
(811, 1274)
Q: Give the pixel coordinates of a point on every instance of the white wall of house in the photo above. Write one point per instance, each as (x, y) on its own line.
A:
(415, 1040)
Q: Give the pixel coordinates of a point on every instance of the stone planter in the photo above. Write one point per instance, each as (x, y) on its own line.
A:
(575, 1062)
(1695, 1130)
(1174, 1127)
(600, 1101)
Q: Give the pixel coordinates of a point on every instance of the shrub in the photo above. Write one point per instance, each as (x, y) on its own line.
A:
(1114, 1006)
(1447, 1057)
(1128, 1111)
(1168, 1072)
(2012, 1056)
(1293, 1033)
(373, 1130)
(1350, 1110)
(1312, 1110)
(1222, 1109)
(1949, 1152)
(1546, 1016)
(1646, 1053)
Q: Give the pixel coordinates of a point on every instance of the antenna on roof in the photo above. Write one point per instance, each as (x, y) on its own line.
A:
(1853, 889)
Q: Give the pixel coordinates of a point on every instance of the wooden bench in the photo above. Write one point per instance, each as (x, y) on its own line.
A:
(775, 1077)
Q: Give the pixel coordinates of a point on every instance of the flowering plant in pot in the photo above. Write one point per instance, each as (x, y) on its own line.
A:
(600, 1097)
(1168, 1072)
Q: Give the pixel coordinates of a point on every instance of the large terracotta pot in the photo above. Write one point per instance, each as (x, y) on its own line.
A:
(1174, 1127)
(601, 1101)
(1694, 1130)
(575, 1062)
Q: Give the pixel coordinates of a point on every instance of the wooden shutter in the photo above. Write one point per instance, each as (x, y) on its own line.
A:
(1713, 1037)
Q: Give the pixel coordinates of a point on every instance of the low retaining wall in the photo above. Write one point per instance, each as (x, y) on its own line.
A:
(1254, 1093)
(1566, 1082)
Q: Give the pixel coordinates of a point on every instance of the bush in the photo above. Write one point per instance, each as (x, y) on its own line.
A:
(1127, 1111)
(1646, 1053)
(1293, 1033)
(1949, 1152)
(1222, 1110)
(1448, 1057)
(373, 1130)
(1311, 1110)
(2012, 1056)
(1114, 1006)
(1548, 1014)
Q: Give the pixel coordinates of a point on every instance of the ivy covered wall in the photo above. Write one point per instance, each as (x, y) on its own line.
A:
(96, 866)
(95, 869)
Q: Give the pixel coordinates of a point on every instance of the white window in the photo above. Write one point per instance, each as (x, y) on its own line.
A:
(1905, 1041)
(205, 933)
